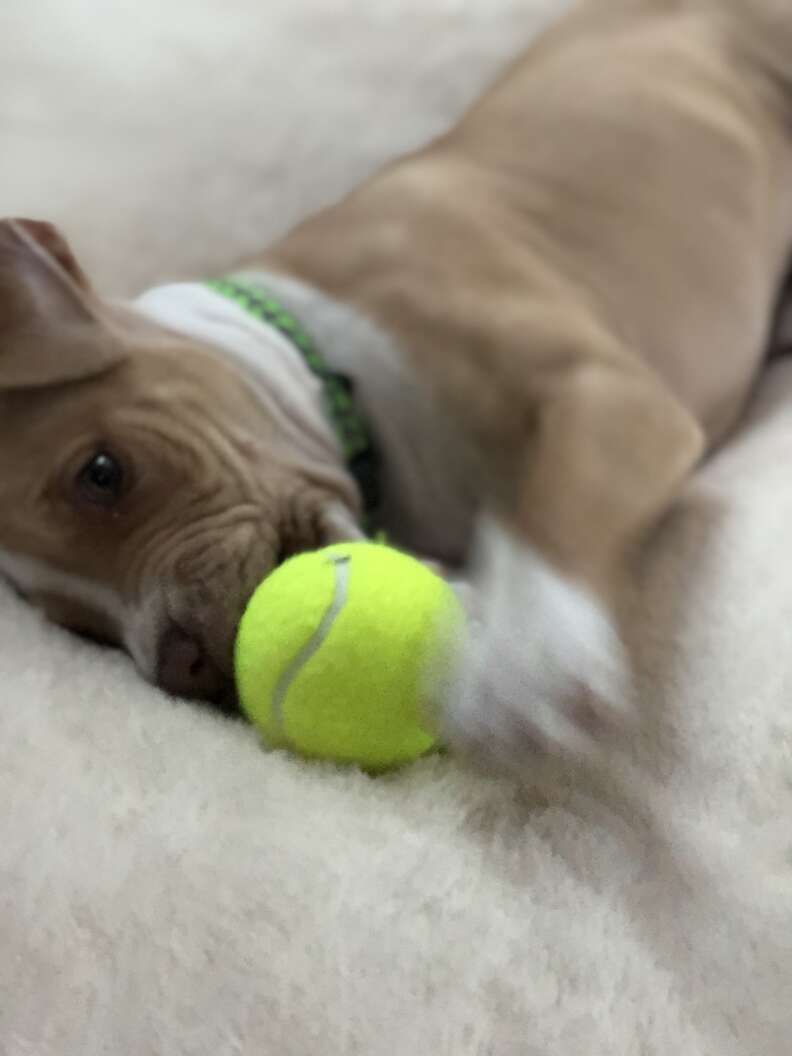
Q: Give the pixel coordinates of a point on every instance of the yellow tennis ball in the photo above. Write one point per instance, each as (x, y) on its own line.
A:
(342, 651)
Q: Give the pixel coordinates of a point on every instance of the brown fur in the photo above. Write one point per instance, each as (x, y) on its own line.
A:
(586, 266)
(213, 497)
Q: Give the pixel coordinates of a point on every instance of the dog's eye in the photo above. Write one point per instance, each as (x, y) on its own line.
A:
(101, 480)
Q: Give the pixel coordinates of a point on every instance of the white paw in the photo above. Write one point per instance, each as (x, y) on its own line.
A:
(544, 675)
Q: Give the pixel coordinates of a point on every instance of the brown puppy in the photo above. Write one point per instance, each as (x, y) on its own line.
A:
(145, 488)
(585, 271)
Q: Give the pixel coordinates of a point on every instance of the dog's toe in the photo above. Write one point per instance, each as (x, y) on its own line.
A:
(544, 678)
(503, 727)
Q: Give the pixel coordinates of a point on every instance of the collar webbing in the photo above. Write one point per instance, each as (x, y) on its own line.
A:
(352, 430)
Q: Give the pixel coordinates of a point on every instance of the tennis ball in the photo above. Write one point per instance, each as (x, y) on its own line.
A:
(342, 651)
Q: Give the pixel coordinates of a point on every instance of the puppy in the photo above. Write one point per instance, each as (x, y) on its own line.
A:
(548, 317)
(147, 483)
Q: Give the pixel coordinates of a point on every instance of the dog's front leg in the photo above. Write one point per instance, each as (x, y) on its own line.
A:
(544, 676)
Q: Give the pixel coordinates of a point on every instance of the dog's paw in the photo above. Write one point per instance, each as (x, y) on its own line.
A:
(544, 676)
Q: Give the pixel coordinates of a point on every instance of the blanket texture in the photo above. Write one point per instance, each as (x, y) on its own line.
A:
(167, 888)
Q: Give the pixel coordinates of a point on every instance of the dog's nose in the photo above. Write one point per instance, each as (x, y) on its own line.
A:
(185, 669)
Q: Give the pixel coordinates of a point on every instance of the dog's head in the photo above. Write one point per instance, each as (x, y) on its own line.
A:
(146, 487)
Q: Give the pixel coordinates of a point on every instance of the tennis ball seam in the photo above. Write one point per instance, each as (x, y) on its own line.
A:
(341, 566)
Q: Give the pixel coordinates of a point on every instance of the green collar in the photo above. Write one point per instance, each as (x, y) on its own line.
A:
(352, 430)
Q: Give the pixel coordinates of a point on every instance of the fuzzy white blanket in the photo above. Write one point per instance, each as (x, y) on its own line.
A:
(165, 887)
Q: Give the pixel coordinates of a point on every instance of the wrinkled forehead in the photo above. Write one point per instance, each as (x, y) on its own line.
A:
(28, 414)
(165, 376)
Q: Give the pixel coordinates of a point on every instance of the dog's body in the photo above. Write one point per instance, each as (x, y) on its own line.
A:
(584, 272)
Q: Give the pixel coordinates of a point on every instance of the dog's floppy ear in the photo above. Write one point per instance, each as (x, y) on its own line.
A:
(51, 331)
(50, 239)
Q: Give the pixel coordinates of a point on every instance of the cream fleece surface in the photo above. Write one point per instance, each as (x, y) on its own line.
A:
(166, 888)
